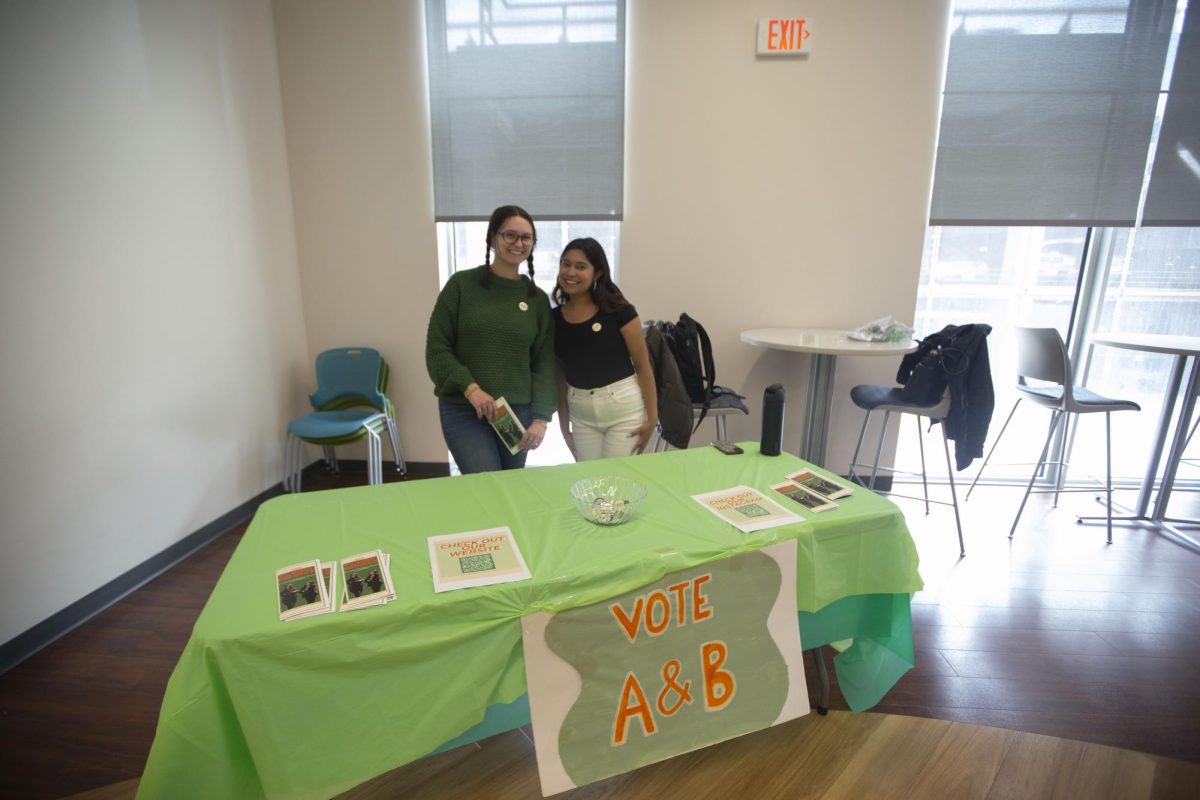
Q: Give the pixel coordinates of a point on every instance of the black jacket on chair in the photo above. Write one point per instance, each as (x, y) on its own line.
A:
(674, 406)
(972, 398)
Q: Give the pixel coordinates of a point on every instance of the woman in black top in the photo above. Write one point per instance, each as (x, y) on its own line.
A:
(606, 395)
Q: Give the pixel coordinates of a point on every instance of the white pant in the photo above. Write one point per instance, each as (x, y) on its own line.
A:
(602, 419)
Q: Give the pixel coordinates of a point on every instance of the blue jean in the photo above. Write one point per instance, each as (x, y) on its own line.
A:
(472, 441)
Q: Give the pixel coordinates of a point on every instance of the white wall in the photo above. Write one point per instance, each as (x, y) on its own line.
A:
(781, 192)
(151, 335)
(356, 111)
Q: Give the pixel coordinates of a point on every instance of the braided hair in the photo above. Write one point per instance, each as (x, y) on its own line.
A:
(500, 216)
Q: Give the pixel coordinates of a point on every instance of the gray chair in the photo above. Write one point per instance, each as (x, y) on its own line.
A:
(719, 409)
(1042, 356)
(874, 397)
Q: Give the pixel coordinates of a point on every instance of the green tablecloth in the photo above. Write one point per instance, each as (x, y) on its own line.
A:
(312, 707)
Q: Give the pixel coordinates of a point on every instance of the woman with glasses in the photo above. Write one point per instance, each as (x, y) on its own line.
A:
(491, 336)
(606, 393)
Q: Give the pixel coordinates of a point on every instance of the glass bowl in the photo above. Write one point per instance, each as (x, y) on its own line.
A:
(608, 500)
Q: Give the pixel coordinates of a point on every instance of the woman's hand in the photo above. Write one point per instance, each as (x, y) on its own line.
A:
(569, 438)
(642, 433)
(534, 435)
(483, 403)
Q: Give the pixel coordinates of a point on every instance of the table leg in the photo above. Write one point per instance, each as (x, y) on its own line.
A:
(1160, 437)
(1159, 519)
(818, 407)
(823, 681)
(1180, 441)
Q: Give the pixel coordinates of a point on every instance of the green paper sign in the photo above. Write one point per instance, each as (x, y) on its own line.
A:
(700, 656)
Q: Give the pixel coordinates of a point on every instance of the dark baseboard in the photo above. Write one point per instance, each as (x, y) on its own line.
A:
(25, 644)
(416, 469)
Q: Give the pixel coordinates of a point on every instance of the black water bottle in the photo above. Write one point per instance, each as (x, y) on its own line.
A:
(772, 421)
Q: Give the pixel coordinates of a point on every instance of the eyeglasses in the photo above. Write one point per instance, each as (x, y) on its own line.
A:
(512, 237)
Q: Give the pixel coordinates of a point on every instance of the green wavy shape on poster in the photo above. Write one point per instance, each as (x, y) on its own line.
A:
(740, 592)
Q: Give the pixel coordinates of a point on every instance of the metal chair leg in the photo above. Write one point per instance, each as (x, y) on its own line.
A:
(962, 549)
(1055, 417)
(854, 459)
(992, 449)
(1060, 476)
(879, 448)
(292, 456)
(921, 446)
(1108, 468)
(394, 436)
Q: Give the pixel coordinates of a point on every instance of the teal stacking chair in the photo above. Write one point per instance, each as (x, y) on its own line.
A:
(350, 403)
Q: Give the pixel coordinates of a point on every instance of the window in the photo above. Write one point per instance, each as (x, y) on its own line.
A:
(1067, 126)
(527, 106)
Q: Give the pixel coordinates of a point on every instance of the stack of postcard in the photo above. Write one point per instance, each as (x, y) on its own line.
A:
(814, 492)
(475, 558)
(366, 580)
(306, 589)
(507, 426)
(746, 509)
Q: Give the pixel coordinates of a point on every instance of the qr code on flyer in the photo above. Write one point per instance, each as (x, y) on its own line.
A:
(480, 563)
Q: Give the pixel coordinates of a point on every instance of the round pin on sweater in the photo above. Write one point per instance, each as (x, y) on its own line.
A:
(523, 305)
(596, 327)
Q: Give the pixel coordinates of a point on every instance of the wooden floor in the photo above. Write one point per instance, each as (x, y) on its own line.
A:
(1052, 633)
(843, 755)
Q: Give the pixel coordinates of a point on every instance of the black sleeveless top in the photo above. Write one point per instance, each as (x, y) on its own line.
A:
(593, 353)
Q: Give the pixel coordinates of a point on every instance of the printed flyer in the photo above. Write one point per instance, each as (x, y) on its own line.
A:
(798, 494)
(476, 558)
(301, 591)
(820, 485)
(507, 426)
(747, 509)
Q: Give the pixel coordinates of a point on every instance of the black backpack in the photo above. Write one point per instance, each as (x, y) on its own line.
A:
(692, 350)
(693, 353)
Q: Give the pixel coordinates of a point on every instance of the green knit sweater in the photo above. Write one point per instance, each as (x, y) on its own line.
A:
(498, 337)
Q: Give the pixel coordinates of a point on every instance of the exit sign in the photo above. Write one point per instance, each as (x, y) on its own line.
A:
(783, 37)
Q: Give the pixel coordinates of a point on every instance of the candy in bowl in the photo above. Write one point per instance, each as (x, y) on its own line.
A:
(608, 500)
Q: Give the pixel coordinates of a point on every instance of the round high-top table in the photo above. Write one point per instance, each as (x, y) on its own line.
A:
(824, 346)
(1183, 348)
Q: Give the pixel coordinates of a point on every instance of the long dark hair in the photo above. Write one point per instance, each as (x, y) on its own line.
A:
(500, 216)
(604, 292)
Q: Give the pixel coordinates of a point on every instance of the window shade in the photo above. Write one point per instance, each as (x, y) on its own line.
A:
(1174, 194)
(527, 101)
(1048, 111)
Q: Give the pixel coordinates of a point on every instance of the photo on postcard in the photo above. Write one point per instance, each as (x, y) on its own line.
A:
(798, 494)
(363, 576)
(822, 486)
(507, 426)
(298, 587)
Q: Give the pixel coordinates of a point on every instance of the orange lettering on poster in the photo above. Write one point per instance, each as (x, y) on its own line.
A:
(629, 624)
(657, 600)
(700, 607)
(719, 684)
(680, 603)
(639, 710)
(653, 613)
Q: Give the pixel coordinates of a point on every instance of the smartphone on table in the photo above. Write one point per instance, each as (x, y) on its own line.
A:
(728, 448)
